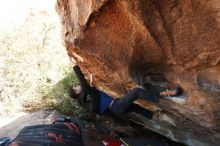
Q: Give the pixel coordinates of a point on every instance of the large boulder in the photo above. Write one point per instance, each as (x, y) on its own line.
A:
(177, 39)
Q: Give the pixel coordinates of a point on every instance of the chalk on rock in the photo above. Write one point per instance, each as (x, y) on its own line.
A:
(177, 99)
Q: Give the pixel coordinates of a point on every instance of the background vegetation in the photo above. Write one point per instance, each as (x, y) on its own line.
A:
(34, 66)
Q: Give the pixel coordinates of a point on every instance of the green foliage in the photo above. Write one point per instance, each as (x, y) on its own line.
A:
(32, 61)
(59, 96)
(62, 88)
(34, 67)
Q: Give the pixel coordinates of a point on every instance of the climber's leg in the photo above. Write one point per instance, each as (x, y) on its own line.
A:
(120, 105)
(140, 110)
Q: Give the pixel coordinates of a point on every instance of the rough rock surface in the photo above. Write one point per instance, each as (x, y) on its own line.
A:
(179, 39)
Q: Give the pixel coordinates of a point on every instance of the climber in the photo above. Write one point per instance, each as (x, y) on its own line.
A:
(101, 102)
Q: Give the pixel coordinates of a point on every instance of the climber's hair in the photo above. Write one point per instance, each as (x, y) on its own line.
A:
(74, 93)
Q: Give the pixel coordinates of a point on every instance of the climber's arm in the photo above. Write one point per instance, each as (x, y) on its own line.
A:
(80, 76)
(85, 88)
(94, 97)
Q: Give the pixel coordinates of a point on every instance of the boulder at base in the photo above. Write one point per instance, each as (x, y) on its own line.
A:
(179, 40)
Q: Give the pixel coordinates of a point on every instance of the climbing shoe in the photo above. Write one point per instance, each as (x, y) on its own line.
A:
(171, 92)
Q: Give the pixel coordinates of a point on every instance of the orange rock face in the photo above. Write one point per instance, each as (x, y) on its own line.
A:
(179, 39)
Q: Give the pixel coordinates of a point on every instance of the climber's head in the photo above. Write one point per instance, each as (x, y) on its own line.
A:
(76, 91)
